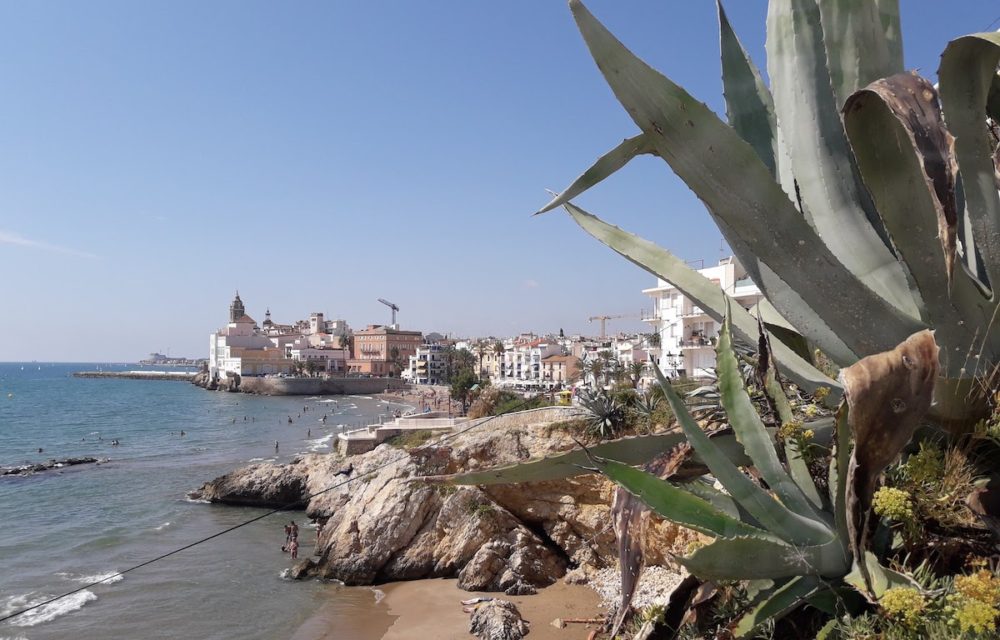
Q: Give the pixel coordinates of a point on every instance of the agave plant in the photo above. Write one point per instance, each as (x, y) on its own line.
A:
(809, 545)
(839, 187)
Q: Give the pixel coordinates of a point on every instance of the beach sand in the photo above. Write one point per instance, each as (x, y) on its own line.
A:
(431, 609)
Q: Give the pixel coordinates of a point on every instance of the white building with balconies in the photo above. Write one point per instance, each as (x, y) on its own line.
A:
(688, 334)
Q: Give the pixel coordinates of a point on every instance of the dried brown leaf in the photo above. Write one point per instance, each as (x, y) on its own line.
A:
(888, 395)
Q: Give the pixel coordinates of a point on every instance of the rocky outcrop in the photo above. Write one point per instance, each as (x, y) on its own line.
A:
(497, 620)
(386, 524)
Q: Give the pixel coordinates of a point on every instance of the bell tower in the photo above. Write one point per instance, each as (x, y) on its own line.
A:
(236, 309)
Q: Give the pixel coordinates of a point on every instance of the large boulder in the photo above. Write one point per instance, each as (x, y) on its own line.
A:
(498, 620)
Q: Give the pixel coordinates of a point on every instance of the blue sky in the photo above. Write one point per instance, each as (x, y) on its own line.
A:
(319, 155)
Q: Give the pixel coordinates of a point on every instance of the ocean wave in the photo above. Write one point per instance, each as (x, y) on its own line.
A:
(320, 444)
(379, 595)
(362, 397)
(109, 577)
(256, 460)
(196, 500)
(329, 401)
(46, 612)
(161, 527)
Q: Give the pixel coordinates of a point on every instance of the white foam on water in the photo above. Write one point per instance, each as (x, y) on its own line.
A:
(320, 444)
(328, 401)
(13, 638)
(379, 594)
(256, 460)
(109, 577)
(47, 612)
(161, 527)
(196, 500)
(362, 397)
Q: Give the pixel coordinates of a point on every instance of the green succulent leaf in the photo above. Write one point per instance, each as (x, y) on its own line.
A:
(771, 514)
(676, 504)
(750, 430)
(857, 51)
(752, 211)
(833, 197)
(749, 107)
(721, 501)
(782, 601)
(905, 156)
(797, 466)
(700, 290)
(888, 11)
(968, 67)
(840, 459)
(882, 578)
(747, 558)
(606, 165)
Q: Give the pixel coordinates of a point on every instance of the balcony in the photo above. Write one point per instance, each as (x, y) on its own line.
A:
(698, 342)
(693, 312)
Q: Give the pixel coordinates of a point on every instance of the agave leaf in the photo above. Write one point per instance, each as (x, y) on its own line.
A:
(968, 66)
(721, 501)
(827, 629)
(833, 197)
(888, 394)
(699, 290)
(856, 48)
(606, 165)
(881, 578)
(906, 156)
(993, 100)
(797, 467)
(750, 430)
(630, 450)
(889, 15)
(749, 106)
(781, 602)
(626, 514)
(749, 558)
(676, 504)
(739, 192)
(840, 460)
(771, 514)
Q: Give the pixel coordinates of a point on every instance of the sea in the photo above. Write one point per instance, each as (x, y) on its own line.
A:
(66, 528)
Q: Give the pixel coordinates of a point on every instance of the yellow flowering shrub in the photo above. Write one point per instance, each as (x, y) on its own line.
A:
(983, 586)
(975, 616)
(893, 503)
(903, 604)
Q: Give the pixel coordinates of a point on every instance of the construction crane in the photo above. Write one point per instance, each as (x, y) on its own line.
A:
(392, 306)
(604, 319)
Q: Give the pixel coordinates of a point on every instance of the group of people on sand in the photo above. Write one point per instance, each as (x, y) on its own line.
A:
(291, 539)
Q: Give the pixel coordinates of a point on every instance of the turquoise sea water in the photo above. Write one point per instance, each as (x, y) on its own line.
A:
(61, 528)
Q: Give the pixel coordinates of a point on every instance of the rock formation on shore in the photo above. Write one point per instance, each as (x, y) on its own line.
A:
(386, 525)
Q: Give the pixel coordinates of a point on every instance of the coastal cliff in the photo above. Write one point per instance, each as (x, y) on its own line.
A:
(387, 525)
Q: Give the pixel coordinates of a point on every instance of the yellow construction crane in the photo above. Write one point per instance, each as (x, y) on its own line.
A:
(604, 319)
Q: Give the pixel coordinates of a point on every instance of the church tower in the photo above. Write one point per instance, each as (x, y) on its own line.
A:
(236, 310)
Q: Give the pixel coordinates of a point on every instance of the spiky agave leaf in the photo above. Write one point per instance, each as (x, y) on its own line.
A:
(780, 602)
(752, 212)
(968, 66)
(750, 429)
(752, 558)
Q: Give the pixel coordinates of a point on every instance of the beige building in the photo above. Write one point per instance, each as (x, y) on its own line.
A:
(559, 370)
(376, 346)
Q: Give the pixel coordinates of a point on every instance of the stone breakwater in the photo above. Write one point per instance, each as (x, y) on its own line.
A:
(389, 525)
(38, 467)
(183, 376)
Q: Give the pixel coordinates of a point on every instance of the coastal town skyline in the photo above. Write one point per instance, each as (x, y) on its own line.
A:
(160, 157)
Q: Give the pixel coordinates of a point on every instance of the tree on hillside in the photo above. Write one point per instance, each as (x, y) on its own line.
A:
(461, 386)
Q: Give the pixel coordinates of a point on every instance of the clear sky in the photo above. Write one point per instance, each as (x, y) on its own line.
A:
(156, 156)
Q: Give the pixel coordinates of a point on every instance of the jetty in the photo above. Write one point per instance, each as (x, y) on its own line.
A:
(185, 376)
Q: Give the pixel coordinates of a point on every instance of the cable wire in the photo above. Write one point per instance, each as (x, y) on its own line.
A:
(287, 507)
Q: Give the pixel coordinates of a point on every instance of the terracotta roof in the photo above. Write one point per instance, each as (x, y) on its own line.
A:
(244, 319)
(559, 359)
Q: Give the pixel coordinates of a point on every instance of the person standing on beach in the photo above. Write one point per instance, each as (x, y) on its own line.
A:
(294, 548)
(276, 446)
(288, 537)
(294, 529)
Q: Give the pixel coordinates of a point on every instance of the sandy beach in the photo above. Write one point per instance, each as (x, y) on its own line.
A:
(432, 609)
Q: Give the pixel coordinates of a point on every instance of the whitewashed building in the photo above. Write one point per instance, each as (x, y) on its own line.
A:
(687, 334)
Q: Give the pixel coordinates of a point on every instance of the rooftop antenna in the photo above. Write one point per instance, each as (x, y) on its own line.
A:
(392, 306)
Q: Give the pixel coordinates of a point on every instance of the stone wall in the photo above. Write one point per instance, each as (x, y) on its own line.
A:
(522, 419)
(318, 386)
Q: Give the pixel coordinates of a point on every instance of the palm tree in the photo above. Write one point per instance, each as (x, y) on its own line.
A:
(595, 368)
(498, 351)
(481, 349)
(635, 371)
